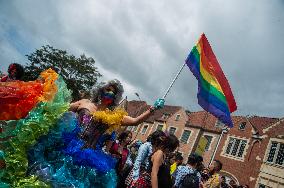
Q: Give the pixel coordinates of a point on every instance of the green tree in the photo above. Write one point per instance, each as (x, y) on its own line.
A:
(79, 73)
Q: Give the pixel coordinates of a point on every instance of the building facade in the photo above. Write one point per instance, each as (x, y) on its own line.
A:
(252, 152)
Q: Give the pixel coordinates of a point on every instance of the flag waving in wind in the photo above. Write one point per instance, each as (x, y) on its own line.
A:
(214, 92)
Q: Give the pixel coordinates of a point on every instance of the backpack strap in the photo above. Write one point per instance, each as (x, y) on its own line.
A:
(190, 173)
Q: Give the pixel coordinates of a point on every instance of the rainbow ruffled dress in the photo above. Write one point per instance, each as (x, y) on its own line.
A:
(47, 146)
(27, 111)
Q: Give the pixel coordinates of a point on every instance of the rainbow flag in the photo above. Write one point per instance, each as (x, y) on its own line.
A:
(214, 92)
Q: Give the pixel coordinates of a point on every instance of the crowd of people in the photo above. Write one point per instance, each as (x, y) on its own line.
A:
(86, 148)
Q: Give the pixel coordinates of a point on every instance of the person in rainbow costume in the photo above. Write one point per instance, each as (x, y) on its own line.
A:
(48, 142)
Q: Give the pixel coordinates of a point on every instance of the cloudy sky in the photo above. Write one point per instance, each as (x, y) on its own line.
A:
(144, 43)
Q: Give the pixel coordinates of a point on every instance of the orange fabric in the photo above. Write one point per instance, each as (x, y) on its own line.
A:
(17, 98)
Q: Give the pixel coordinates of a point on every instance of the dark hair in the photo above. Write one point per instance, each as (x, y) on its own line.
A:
(179, 157)
(156, 138)
(170, 142)
(19, 70)
(219, 165)
(194, 159)
(123, 135)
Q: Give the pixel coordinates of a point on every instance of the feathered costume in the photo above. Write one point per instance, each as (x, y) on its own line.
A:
(43, 145)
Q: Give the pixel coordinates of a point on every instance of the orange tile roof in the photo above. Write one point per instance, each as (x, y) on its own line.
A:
(261, 123)
(135, 108)
(200, 119)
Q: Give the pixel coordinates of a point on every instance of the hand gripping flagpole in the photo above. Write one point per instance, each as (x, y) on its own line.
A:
(165, 95)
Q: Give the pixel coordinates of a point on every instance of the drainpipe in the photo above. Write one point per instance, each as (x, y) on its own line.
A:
(224, 131)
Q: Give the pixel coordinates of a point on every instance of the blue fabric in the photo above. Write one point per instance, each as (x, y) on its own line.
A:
(142, 159)
(58, 158)
(181, 172)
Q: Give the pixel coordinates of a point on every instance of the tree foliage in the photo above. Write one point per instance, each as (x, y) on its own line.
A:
(79, 73)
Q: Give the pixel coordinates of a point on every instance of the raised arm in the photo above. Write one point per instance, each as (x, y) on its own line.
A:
(130, 121)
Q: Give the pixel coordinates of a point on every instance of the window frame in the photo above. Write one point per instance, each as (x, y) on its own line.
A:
(174, 128)
(141, 132)
(236, 155)
(135, 128)
(245, 124)
(273, 162)
(166, 116)
(187, 138)
(159, 125)
(129, 128)
(177, 117)
(208, 143)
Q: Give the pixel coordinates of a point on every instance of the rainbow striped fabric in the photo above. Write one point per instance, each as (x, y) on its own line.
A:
(214, 92)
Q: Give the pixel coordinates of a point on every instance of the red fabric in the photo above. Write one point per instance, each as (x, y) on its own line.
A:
(121, 156)
(17, 98)
(4, 79)
(209, 57)
(144, 181)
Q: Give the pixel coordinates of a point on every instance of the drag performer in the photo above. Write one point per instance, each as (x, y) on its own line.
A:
(70, 153)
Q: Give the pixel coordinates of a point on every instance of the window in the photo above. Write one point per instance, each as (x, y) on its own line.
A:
(219, 124)
(172, 130)
(236, 147)
(177, 117)
(209, 140)
(159, 127)
(135, 129)
(276, 153)
(242, 126)
(166, 116)
(129, 128)
(180, 153)
(144, 129)
(185, 135)
(263, 186)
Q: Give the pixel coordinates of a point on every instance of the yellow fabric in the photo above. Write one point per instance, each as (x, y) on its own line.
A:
(207, 75)
(49, 87)
(112, 118)
(173, 168)
(213, 182)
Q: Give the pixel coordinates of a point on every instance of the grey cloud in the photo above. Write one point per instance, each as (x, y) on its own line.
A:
(146, 43)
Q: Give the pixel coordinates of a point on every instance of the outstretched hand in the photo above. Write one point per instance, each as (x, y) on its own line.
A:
(159, 103)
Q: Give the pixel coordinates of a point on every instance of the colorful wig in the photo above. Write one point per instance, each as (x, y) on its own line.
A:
(97, 90)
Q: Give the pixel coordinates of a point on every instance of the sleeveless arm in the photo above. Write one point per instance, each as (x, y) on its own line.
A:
(130, 121)
(157, 160)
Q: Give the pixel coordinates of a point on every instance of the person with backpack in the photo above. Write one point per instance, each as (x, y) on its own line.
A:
(188, 176)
